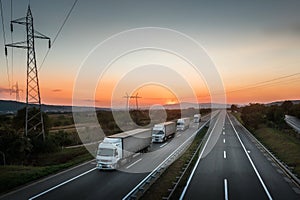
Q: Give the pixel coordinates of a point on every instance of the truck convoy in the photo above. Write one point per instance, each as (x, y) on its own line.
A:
(197, 118)
(162, 131)
(117, 149)
(183, 123)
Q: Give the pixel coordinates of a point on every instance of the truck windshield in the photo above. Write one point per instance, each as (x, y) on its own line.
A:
(105, 152)
(158, 132)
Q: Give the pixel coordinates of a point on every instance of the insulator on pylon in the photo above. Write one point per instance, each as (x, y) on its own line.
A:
(49, 43)
(11, 27)
(5, 51)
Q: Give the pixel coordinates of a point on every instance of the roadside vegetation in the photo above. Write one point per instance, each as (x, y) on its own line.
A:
(267, 124)
(24, 159)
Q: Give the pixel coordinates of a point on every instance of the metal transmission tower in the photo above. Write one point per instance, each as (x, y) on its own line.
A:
(34, 123)
(15, 89)
(136, 97)
(127, 99)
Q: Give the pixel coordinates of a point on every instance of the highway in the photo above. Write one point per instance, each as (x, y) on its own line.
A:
(232, 165)
(294, 122)
(86, 182)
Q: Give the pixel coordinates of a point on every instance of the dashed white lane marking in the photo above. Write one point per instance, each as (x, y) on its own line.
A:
(279, 171)
(274, 165)
(133, 163)
(178, 135)
(61, 184)
(224, 141)
(225, 189)
(223, 132)
(163, 145)
(135, 155)
(225, 154)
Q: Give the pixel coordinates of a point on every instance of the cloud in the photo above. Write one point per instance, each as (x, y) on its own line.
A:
(4, 90)
(92, 100)
(56, 90)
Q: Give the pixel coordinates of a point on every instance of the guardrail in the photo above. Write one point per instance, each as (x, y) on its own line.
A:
(279, 163)
(141, 188)
(182, 173)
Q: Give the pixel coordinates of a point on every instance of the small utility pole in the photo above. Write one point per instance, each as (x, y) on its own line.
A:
(34, 123)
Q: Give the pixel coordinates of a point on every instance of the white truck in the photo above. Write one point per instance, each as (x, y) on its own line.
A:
(117, 149)
(197, 118)
(161, 132)
(183, 123)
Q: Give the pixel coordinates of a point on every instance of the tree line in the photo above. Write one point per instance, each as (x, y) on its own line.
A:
(273, 116)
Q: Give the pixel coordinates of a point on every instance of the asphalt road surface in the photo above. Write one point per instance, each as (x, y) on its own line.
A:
(232, 166)
(294, 122)
(86, 182)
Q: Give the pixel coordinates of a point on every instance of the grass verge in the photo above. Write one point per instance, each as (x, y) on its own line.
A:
(160, 188)
(12, 176)
(285, 146)
(283, 143)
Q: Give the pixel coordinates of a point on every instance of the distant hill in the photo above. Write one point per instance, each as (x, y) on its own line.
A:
(278, 103)
(186, 105)
(11, 107)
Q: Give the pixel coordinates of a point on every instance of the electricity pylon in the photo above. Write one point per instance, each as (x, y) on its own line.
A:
(136, 97)
(34, 123)
(15, 89)
(127, 99)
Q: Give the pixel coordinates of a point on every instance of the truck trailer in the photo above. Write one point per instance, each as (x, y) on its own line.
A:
(183, 123)
(161, 132)
(117, 149)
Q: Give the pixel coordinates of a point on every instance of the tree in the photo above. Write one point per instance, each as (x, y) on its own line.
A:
(19, 120)
(287, 106)
(234, 108)
(253, 115)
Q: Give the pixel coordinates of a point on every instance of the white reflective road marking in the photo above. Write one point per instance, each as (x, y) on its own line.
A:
(61, 184)
(225, 189)
(163, 145)
(251, 162)
(133, 163)
(224, 154)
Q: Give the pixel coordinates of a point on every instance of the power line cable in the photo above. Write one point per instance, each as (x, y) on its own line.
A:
(12, 41)
(60, 29)
(4, 39)
(263, 83)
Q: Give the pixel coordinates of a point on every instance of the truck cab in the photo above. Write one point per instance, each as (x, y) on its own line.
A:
(109, 153)
(158, 133)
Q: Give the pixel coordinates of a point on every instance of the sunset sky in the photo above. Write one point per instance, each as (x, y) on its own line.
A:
(254, 45)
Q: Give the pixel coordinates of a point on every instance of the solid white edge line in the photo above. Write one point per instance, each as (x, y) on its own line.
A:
(225, 154)
(225, 189)
(133, 163)
(161, 146)
(196, 165)
(249, 158)
(63, 183)
(128, 194)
